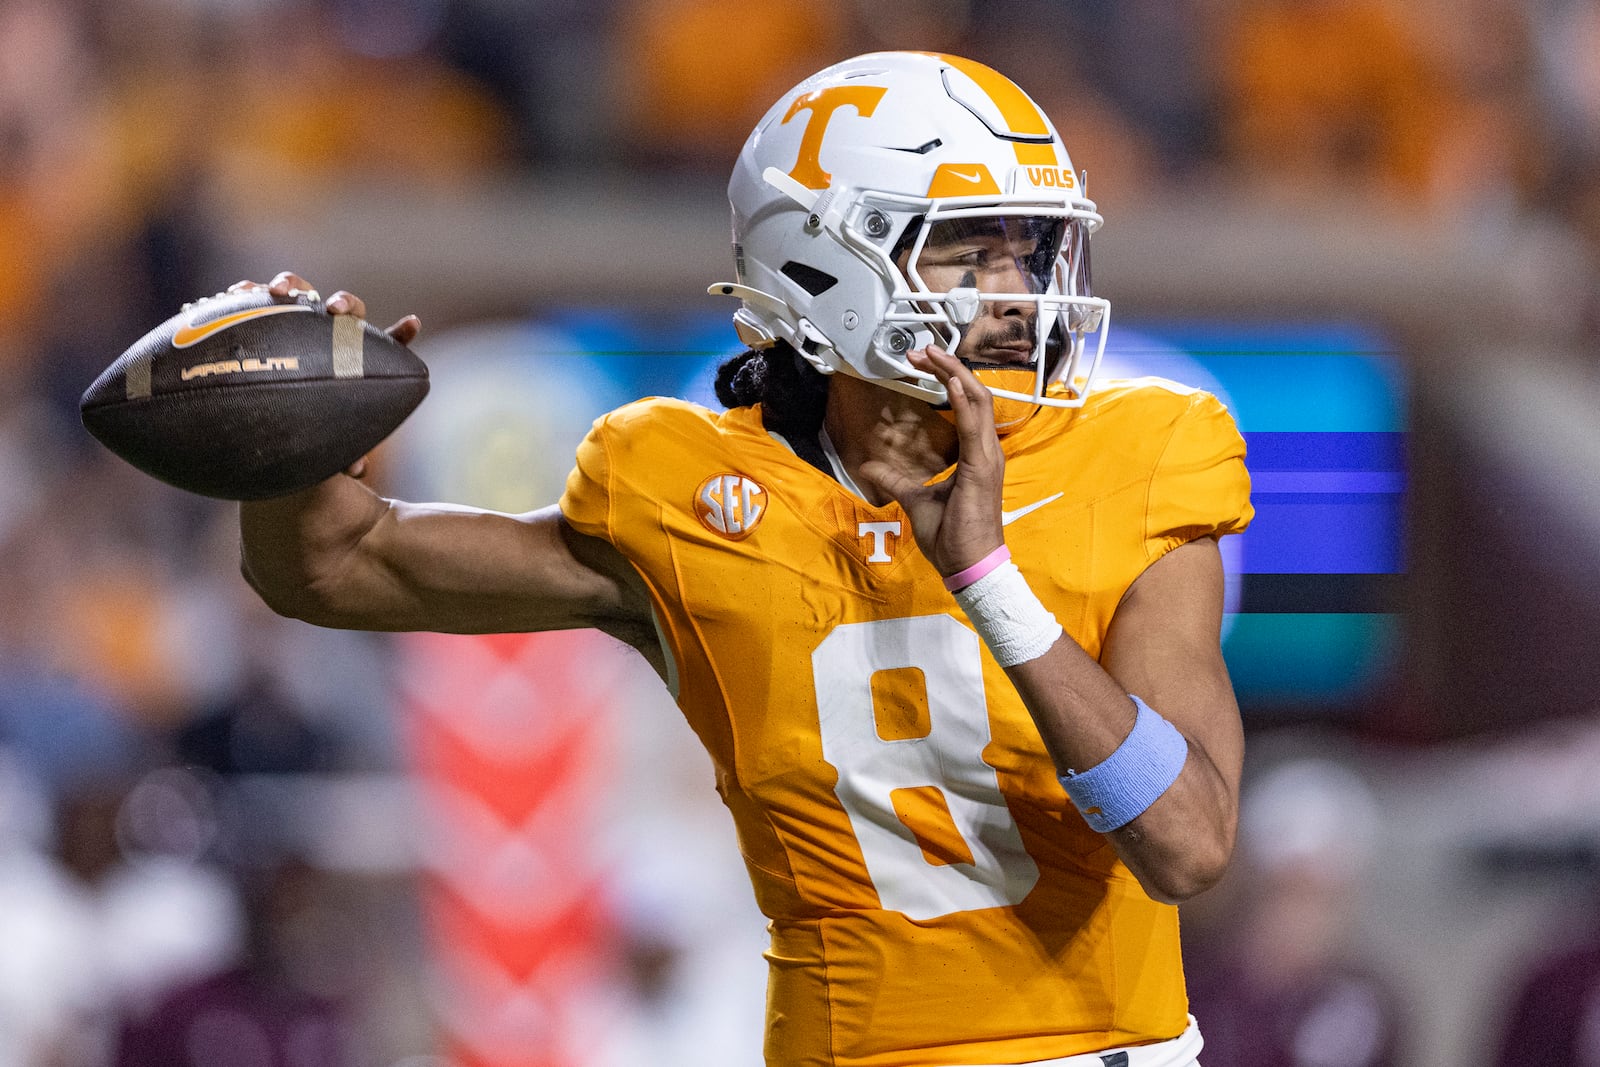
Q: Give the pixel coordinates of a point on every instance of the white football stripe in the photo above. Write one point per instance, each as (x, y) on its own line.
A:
(136, 378)
(347, 347)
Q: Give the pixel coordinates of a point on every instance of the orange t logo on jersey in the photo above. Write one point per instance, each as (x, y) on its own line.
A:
(731, 505)
(822, 103)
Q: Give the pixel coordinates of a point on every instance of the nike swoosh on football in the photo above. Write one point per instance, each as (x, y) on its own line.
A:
(1009, 517)
(189, 334)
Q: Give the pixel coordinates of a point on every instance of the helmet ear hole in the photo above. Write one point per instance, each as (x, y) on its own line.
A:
(814, 281)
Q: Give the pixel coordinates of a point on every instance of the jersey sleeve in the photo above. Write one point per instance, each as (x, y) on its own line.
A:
(586, 500)
(1200, 487)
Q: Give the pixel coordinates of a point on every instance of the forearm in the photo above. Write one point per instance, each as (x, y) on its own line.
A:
(1180, 844)
(1161, 783)
(341, 556)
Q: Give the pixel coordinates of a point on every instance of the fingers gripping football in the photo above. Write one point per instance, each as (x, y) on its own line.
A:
(289, 285)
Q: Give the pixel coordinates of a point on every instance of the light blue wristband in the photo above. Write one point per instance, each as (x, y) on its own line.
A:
(1117, 790)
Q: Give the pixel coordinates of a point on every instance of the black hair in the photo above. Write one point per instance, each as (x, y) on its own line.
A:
(792, 393)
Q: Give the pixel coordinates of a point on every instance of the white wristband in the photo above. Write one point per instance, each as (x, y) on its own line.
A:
(1008, 616)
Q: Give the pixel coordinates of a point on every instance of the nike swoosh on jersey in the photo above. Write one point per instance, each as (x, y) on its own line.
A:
(190, 334)
(974, 178)
(1009, 517)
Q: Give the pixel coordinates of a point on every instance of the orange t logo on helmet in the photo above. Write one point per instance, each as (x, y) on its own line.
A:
(822, 103)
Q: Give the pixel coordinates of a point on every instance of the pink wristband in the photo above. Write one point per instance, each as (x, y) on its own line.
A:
(963, 578)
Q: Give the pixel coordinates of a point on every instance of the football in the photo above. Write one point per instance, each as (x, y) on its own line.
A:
(245, 396)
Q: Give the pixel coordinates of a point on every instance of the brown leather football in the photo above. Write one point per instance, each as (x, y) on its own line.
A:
(245, 396)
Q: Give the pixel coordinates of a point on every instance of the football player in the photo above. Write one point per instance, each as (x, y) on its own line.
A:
(944, 610)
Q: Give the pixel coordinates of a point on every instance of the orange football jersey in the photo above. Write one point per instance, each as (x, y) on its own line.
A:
(935, 898)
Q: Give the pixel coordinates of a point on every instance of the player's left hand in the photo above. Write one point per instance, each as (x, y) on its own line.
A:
(956, 521)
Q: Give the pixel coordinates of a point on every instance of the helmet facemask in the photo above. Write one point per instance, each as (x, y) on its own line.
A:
(1014, 289)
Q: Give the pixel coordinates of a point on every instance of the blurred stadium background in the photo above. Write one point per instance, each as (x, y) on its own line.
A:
(231, 839)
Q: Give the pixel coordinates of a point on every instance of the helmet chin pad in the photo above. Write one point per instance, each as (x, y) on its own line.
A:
(1009, 412)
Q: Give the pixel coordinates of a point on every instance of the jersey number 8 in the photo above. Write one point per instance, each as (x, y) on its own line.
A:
(966, 853)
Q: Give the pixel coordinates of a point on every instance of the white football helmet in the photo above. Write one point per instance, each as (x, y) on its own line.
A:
(851, 173)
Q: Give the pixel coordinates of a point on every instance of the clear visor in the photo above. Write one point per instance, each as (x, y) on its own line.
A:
(995, 254)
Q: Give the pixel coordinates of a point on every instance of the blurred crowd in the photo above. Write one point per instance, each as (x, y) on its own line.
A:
(148, 912)
(143, 123)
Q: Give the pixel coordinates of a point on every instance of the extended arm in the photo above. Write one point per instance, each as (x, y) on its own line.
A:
(340, 555)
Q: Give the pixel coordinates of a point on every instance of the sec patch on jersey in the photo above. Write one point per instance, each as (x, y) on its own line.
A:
(245, 396)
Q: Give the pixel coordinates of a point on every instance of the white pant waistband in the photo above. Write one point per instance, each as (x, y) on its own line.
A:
(1179, 1052)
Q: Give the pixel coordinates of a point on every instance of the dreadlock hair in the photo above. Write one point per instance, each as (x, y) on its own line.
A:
(792, 393)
